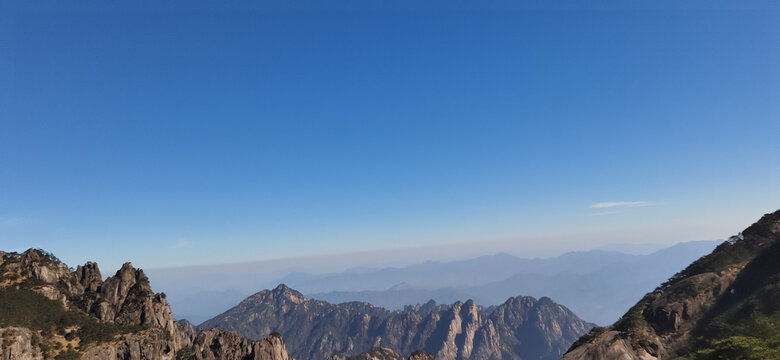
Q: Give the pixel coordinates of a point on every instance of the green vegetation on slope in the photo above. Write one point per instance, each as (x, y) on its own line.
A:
(748, 327)
(758, 338)
(48, 318)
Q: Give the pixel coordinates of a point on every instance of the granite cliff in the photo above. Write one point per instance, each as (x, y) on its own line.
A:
(522, 327)
(49, 311)
(725, 305)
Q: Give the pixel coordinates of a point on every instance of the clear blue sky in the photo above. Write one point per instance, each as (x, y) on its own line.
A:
(185, 132)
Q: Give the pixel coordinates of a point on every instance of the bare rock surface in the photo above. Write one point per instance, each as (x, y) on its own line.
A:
(717, 296)
(125, 304)
(522, 327)
(16, 344)
(383, 353)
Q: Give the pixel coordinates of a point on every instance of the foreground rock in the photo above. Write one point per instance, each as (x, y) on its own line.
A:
(522, 327)
(56, 312)
(723, 306)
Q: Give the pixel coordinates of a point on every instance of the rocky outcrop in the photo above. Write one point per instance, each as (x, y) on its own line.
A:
(377, 353)
(715, 297)
(216, 344)
(522, 327)
(125, 298)
(421, 355)
(383, 353)
(151, 344)
(141, 320)
(16, 344)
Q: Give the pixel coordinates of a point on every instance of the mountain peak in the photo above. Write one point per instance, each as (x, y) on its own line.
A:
(281, 288)
(283, 292)
(353, 326)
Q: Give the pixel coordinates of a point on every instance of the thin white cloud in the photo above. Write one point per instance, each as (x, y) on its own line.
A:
(9, 222)
(602, 213)
(182, 243)
(619, 204)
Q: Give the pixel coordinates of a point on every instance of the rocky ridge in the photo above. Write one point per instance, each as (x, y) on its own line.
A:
(522, 327)
(724, 305)
(79, 315)
(383, 353)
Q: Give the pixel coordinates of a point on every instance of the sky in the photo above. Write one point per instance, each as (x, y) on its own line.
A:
(187, 133)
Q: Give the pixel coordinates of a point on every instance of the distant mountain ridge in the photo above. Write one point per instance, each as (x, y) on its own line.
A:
(578, 280)
(488, 280)
(521, 327)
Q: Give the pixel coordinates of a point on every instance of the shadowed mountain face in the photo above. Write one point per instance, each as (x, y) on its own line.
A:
(522, 327)
(49, 311)
(725, 305)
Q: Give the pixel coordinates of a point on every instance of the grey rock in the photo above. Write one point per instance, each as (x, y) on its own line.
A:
(16, 344)
(522, 327)
(124, 299)
(383, 353)
(153, 344)
(216, 344)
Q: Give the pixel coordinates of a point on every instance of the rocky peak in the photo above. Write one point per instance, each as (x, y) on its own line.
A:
(126, 297)
(147, 329)
(314, 329)
(216, 344)
(42, 266)
(284, 292)
(429, 307)
(280, 295)
(89, 277)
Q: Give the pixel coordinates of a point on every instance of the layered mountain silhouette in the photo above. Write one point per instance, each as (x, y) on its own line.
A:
(725, 305)
(576, 280)
(722, 306)
(520, 328)
(48, 311)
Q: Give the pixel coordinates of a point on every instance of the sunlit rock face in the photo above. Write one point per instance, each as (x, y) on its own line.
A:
(147, 330)
(719, 296)
(522, 327)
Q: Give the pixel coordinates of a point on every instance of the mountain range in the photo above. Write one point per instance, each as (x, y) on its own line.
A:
(724, 305)
(520, 328)
(575, 279)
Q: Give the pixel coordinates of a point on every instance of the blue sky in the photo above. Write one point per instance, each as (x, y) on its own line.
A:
(176, 133)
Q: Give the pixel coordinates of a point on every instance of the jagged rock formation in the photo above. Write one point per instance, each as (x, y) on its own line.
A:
(75, 314)
(16, 344)
(216, 344)
(724, 305)
(522, 327)
(383, 353)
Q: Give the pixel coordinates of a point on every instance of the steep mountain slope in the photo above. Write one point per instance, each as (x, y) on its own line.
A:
(48, 311)
(522, 327)
(577, 280)
(722, 306)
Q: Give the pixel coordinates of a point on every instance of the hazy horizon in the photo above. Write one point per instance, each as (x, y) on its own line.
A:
(193, 133)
